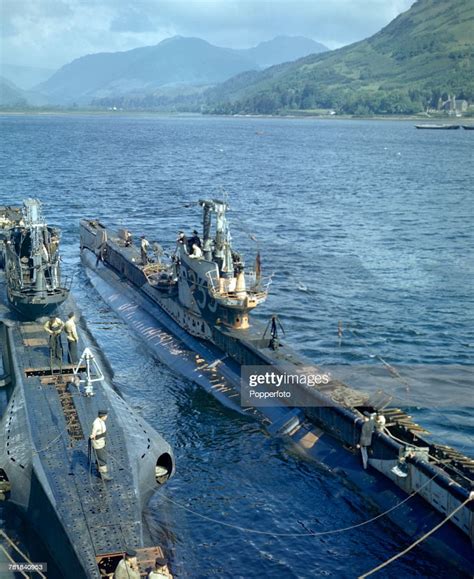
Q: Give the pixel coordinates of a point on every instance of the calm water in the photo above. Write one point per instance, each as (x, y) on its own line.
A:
(369, 223)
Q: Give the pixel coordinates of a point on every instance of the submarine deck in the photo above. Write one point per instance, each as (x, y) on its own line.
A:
(99, 518)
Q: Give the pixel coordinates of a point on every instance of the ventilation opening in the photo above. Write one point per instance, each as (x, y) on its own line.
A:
(163, 468)
(5, 486)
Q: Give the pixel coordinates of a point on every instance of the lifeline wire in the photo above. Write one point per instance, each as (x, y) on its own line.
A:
(418, 541)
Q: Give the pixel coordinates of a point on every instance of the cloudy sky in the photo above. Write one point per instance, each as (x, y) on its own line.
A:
(50, 33)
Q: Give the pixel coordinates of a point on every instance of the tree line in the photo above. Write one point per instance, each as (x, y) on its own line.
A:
(343, 101)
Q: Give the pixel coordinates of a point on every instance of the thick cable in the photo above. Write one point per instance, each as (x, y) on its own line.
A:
(418, 541)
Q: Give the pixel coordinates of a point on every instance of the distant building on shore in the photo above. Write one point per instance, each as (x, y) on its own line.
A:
(453, 105)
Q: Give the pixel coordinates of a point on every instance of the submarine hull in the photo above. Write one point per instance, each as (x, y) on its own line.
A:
(45, 521)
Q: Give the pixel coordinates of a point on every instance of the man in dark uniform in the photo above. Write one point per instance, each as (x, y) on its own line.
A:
(194, 240)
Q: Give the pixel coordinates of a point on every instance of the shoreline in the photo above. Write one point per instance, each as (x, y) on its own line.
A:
(170, 114)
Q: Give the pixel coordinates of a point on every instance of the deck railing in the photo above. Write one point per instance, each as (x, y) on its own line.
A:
(258, 292)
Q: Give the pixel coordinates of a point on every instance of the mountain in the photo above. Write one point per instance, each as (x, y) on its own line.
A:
(423, 55)
(11, 95)
(174, 62)
(283, 49)
(25, 77)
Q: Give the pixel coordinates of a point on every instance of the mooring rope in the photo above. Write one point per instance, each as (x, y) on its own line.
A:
(312, 534)
(418, 541)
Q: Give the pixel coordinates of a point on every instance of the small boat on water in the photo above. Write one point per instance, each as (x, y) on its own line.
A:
(468, 127)
(438, 127)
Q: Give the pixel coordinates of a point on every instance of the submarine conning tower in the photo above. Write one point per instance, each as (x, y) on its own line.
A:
(199, 288)
(33, 273)
(217, 286)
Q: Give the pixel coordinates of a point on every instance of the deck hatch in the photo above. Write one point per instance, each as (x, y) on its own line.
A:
(67, 369)
(74, 428)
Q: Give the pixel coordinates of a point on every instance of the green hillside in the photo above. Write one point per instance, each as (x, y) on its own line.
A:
(423, 55)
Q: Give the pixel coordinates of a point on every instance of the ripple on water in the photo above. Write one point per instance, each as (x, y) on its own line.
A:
(357, 213)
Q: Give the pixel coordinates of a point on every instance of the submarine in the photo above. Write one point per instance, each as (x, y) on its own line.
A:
(197, 301)
(48, 471)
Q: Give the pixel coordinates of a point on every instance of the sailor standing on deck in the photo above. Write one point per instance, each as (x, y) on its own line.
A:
(45, 259)
(144, 245)
(160, 570)
(98, 440)
(181, 239)
(128, 566)
(72, 338)
(365, 439)
(54, 326)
